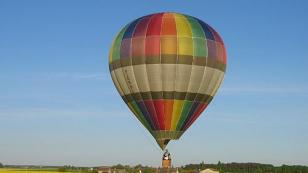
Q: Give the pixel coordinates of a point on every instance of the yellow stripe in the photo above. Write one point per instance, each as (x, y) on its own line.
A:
(168, 45)
(182, 26)
(184, 34)
(177, 109)
(111, 51)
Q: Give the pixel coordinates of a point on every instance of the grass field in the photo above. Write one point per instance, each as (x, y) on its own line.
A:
(5, 170)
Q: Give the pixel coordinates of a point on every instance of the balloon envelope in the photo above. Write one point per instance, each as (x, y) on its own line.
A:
(167, 68)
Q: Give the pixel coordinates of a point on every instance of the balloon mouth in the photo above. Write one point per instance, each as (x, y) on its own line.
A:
(163, 137)
(163, 143)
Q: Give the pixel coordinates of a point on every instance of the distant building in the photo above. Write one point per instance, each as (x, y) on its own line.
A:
(104, 169)
(107, 169)
(209, 171)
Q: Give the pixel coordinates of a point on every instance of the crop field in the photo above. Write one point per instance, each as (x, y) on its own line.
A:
(11, 170)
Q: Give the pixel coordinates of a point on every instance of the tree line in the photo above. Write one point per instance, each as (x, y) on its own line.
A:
(189, 168)
(247, 168)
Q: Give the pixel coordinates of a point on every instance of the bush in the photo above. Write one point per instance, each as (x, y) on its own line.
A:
(62, 169)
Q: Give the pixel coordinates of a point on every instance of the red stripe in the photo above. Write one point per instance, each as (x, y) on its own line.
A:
(141, 28)
(168, 25)
(215, 34)
(159, 107)
(224, 55)
(222, 50)
(152, 46)
(154, 26)
(151, 109)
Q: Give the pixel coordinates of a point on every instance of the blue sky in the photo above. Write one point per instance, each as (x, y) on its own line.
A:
(58, 104)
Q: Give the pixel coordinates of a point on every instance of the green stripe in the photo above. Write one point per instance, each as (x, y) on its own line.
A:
(185, 111)
(200, 47)
(196, 28)
(116, 47)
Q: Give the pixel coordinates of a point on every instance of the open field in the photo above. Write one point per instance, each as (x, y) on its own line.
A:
(12, 170)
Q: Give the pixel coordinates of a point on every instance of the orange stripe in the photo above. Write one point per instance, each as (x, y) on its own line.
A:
(168, 108)
(168, 37)
(168, 25)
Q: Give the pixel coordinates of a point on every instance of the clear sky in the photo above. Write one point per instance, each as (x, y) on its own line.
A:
(58, 104)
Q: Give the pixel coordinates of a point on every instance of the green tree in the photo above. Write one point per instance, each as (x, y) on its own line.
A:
(148, 170)
(119, 166)
(1, 165)
(219, 167)
(137, 167)
(202, 165)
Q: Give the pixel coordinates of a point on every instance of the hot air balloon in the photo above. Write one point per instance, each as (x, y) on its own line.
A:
(167, 68)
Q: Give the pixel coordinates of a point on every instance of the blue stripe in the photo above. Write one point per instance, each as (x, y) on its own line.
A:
(130, 30)
(206, 29)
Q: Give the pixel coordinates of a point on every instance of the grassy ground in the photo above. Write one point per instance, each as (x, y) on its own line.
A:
(6, 170)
